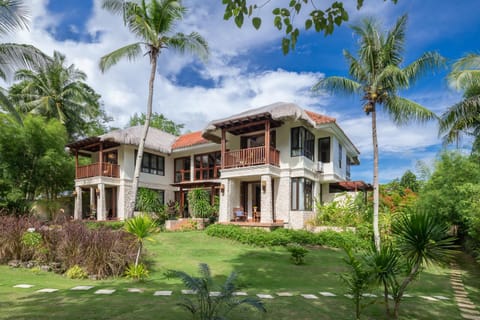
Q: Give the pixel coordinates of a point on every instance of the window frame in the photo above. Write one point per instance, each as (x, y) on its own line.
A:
(302, 143)
(205, 172)
(147, 167)
(301, 185)
(182, 171)
(321, 153)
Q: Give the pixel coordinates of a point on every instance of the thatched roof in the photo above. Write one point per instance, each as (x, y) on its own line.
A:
(157, 140)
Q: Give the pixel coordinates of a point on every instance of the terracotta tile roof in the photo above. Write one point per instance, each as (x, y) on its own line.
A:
(188, 140)
(319, 118)
(355, 185)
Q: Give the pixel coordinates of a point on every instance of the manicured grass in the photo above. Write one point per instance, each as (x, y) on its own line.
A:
(261, 270)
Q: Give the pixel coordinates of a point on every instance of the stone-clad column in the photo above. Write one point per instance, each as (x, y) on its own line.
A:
(266, 212)
(101, 204)
(77, 213)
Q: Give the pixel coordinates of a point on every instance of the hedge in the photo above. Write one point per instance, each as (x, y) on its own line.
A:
(282, 237)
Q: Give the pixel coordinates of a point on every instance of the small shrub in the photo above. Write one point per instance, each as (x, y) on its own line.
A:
(32, 239)
(112, 225)
(76, 272)
(297, 252)
(137, 272)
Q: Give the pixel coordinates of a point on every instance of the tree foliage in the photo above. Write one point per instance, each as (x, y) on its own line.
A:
(290, 17)
(158, 121)
(33, 161)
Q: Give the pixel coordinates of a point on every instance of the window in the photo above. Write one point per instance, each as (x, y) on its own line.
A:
(161, 196)
(153, 164)
(302, 143)
(340, 155)
(182, 169)
(257, 140)
(324, 149)
(207, 165)
(349, 163)
(302, 194)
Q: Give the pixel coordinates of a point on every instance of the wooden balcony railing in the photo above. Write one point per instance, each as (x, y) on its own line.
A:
(97, 170)
(250, 157)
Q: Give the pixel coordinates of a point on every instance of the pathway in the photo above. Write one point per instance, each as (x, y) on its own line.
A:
(468, 310)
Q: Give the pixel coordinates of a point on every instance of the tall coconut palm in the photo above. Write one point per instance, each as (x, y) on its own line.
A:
(377, 75)
(14, 16)
(56, 90)
(153, 23)
(464, 116)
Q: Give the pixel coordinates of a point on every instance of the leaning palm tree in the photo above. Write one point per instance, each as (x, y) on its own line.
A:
(464, 116)
(153, 23)
(14, 16)
(55, 90)
(141, 227)
(377, 75)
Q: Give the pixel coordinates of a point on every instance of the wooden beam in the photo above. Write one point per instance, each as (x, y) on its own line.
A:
(76, 163)
(267, 141)
(224, 145)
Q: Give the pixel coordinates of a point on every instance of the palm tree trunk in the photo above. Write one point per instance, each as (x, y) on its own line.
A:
(402, 288)
(148, 116)
(385, 294)
(140, 245)
(376, 232)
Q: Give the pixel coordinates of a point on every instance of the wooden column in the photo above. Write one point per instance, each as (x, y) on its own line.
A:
(100, 160)
(182, 202)
(224, 147)
(267, 141)
(76, 163)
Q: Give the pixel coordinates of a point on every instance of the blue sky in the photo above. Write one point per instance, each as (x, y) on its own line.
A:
(247, 69)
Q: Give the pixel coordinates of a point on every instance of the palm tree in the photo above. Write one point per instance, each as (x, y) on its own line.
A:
(141, 227)
(422, 238)
(153, 23)
(465, 115)
(13, 16)
(376, 75)
(55, 90)
(213, 306)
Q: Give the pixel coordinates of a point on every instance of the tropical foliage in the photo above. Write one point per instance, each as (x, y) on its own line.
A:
(158, 121)
(153, 23)
(376, 75)
(141, 226)
(208, 306)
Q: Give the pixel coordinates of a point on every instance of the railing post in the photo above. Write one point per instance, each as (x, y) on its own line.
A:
(267, 141)
(223, 148)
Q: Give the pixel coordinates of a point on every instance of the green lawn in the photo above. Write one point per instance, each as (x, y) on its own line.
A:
(261, 270)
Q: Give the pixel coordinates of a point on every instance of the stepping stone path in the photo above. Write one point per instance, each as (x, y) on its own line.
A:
(284, 294)
(264, 296)
(134, 290)
(240, 293)
(328, 294)
(429, 298)
(105, 291)
(369, 295)
(309, 296)
(467, 309)
(46, 290)
(214, 293)
(162, 293)
(24, 286)
(188, 292)
(81, 288)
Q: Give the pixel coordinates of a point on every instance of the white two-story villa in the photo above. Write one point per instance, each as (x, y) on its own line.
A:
(267, 165)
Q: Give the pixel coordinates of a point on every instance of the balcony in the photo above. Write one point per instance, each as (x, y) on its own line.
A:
(251, 157)
(98, 170)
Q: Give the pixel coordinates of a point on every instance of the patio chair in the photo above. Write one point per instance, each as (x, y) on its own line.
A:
(239, 214)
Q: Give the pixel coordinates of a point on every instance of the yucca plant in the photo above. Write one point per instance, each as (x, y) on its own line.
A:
(206, 306)
(141, 227)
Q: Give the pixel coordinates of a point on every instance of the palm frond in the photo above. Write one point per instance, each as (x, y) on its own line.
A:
(130, 52)
(15, 56)
(392, 49)
(7, 105)
(470, 61)
(427, 62)
(13, 16)
(356, 69)
(192, 43)
(339, 85)
(402, 110)
(460, 118)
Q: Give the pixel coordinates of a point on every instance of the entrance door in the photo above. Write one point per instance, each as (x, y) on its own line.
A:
(250, 197)
(111, 201)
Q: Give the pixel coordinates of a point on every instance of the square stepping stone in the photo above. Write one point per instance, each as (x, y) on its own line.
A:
(47, 290)
(264, 296)
(470, 316)
(466, 305)
(105, 291)
(188, 291)
(407, 295)
(309, 296)
(441, 298)
(284, 294)
(23, 286)
(428, 298)
(349, 296)
(81, 288)
(214, 293)
(133, 290)
(162, 293)
(369, 295)
(327, 294)
(239, 293)
(475, 312)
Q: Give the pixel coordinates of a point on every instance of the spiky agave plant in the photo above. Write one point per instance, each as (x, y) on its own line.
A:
(208, 306)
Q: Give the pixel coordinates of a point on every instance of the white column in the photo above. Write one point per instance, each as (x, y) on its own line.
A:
(223, 215)
(266, 212)
(101, 204)
(249, 207)
(92, 198)
(77, 213)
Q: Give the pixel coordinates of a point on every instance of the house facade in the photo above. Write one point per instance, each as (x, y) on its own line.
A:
(271, 163)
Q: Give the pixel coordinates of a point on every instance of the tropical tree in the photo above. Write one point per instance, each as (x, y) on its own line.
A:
(55, 90)
(464, 116)
(153, 23)
(210, 306)
(377, 75)
(158, 121)
(14, 16)
(141, 227)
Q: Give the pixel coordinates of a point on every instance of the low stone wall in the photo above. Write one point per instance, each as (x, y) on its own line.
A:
(318, 229)
(185, 224)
